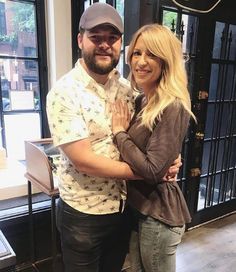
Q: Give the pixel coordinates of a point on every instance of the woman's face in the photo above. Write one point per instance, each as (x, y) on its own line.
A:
(146, 67)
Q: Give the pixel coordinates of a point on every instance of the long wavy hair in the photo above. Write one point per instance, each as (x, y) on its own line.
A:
(171, 86)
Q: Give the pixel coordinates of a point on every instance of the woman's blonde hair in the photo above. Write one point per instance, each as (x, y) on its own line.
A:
(171, 87)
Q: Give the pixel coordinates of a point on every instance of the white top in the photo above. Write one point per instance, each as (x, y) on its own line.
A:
(78, 108)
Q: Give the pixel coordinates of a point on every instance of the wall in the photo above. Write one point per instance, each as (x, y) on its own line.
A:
(59, 49)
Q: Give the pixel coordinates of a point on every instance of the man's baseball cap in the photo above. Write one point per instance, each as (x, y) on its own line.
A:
(101, 13)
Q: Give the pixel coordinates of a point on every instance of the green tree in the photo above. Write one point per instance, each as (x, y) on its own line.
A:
(169, 17)
(24, 17)
(23, 20)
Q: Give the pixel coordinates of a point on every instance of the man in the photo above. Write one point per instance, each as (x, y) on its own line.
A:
(90, 214)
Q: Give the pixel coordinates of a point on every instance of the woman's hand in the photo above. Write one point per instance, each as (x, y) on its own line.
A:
(120, 116)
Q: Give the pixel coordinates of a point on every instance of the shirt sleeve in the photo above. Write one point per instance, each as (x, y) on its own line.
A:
(65, 118)
(163, 146)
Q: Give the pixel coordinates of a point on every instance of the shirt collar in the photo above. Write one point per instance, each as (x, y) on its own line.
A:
(90, 83)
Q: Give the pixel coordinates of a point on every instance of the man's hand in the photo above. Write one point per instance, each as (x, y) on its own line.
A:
(173, 171)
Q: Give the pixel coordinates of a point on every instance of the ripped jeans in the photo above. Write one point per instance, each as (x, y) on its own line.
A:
(153, 246)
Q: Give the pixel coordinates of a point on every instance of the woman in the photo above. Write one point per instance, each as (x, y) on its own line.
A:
(152, 141)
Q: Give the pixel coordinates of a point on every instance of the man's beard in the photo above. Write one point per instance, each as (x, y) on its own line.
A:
(90, 61)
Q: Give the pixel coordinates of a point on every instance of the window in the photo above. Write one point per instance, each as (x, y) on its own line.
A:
(30, 52)
(185, 27)
(120, 9)
(22, 44)
(2, 20)
(23, 87)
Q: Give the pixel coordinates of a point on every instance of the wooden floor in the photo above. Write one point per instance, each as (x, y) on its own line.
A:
(211, 247)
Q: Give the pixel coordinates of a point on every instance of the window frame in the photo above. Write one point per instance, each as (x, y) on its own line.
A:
(41, 59)
(41, 35)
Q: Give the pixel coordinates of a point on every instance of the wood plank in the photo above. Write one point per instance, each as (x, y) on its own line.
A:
(211, 247)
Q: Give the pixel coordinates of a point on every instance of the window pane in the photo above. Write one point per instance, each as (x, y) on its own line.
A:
(217, 41)
(206, 158)
(19, 75)
(229, 87)
(221, 82)
(232, 155)
(19, 30)
(202, 193)
(232, 31)
(211, 111)
(219, 120)
(169, 19)
(0, 134)
(15, 135)
(3, 28)
(224, 43)
(87, 4)
(120, 8)
(213, 82)
(120, 66)
(190, 24)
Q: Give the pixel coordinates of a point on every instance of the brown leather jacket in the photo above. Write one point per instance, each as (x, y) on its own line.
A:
(150, 154)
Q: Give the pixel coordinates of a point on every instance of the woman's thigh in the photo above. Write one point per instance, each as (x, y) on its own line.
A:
(158, 243)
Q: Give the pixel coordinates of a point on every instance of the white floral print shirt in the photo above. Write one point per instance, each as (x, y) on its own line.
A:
(78, 108)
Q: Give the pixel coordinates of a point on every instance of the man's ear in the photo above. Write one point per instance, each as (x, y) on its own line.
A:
(79, 40)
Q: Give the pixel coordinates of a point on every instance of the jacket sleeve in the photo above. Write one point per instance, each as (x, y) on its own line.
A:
(163, 146)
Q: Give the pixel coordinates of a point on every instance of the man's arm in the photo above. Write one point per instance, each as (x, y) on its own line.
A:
(85, 160)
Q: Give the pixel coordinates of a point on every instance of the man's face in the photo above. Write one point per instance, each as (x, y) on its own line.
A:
(100, 49)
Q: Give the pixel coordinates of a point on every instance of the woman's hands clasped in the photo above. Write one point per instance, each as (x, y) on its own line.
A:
(120, 116)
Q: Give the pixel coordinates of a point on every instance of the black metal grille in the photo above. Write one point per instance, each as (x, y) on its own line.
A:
(208, 175)
(218, 180)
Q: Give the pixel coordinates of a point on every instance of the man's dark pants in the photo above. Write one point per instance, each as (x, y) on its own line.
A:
(92, 243)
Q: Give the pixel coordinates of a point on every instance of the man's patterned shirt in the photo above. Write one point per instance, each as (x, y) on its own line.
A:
(78, 108)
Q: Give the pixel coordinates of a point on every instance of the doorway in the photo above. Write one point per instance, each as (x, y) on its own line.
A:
(208, 177)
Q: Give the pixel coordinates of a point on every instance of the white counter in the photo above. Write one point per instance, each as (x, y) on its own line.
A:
(12, 180)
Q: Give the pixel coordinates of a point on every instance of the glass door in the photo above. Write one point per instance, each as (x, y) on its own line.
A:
(208, 175)
(218, 178)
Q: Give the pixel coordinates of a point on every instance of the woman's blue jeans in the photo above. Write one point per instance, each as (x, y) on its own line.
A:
(92, 243)
(153, 246)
